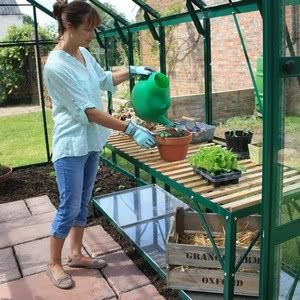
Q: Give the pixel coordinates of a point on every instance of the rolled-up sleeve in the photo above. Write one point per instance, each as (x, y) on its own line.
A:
(105, 79)
(65, 91)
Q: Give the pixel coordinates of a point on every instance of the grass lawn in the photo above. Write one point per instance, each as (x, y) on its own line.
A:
(22, 139)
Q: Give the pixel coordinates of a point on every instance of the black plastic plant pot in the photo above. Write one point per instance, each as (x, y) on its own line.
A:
(221, 179)
(237, 141)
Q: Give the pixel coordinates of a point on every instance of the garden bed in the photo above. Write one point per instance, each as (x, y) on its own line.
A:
(36, 181)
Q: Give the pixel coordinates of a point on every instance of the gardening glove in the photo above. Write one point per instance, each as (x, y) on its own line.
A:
(140, 70)
(141, 135)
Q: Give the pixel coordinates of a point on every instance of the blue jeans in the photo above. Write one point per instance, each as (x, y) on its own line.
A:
(75, 177)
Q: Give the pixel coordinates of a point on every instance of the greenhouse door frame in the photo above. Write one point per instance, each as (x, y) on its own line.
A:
(277, 66)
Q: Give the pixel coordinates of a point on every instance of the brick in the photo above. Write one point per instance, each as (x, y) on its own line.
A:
(145, 292)
(89, 285)
(33, 256)
(122, 274)
(25, 229)
(8, 266)
(13, 210)
(40, 205)
(98, 242)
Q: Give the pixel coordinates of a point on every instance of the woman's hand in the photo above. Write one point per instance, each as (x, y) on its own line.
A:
(140, 70)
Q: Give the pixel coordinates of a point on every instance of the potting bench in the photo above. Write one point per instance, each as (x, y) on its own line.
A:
(231, 202)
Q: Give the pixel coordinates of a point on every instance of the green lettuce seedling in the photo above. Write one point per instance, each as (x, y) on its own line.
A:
(215, 160)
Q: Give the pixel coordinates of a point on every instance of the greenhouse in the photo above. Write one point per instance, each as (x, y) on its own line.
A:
(219, 219)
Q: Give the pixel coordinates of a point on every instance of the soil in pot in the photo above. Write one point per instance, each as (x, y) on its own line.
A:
(237, 141)
(173, 145)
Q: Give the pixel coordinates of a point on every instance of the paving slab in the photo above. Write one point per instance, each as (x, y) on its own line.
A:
(98, 242)
(25, 229)
(33, 256)
(8, 266)
(40, 205)
(13, 210)
(122, 274)
(89, 285)
(145, 292)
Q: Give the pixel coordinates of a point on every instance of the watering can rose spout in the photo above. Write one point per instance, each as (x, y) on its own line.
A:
(150, 98)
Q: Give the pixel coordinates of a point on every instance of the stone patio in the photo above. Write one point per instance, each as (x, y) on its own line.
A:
(24, 227)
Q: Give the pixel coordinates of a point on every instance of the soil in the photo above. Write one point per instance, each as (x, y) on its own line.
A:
(40, 180)
(4, 170)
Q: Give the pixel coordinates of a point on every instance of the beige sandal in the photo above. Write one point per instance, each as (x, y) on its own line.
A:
(63, 282)
(95, 263)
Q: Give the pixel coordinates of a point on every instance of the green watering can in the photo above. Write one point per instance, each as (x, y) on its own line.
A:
(150, 99)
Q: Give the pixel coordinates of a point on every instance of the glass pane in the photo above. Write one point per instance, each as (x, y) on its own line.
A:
(289, 258)
(138, 205)
(151, 237)
(292, 30)
(289, 159)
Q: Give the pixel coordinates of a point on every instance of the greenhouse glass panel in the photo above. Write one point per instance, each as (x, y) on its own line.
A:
(288, 155)
(138, 205)
(289, 271)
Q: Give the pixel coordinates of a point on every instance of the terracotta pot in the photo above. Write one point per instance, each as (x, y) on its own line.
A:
(5, 173)
(174, 148)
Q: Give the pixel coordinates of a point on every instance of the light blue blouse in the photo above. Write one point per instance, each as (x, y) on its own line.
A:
(74, 87)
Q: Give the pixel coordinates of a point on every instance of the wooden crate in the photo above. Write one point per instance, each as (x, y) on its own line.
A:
(211, 281)
(201, 270)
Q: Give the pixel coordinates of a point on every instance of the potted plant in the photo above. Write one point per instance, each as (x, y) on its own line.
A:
(217, 164)
(5, 173)
(173, 145)
(255, 151)
(237, 141)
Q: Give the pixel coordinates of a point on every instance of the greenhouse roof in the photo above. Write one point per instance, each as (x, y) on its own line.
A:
(9, 10)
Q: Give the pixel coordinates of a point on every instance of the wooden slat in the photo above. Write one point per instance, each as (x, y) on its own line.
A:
(252, 191)
(233, 197)
(196, 184)
(211, 187)
(255, 180)
(237, 205)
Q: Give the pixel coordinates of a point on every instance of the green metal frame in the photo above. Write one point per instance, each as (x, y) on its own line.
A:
(228, 264)
(276, 68)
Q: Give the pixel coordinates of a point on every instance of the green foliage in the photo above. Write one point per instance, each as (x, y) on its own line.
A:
(245, 123)
(28, 20)
(14, 61)
(163, 134)
(215, 160)
(116, 52)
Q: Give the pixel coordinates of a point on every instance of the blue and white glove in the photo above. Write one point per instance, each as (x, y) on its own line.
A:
(141, 135)
(140, 70)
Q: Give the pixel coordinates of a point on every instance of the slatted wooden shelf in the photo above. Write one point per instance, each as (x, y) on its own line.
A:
(231, 197)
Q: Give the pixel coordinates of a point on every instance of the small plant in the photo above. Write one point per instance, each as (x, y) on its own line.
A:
(170, 133)
(216, 160)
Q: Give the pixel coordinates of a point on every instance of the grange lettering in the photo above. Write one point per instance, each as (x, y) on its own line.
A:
(213, 257)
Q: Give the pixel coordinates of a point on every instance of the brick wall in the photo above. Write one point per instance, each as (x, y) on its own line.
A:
(225, 105)
(185, 60)
(185, 52)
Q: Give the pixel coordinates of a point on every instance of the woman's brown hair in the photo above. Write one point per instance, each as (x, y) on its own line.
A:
(74, 13)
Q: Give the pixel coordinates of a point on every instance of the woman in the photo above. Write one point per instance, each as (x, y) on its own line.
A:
(74, 80)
